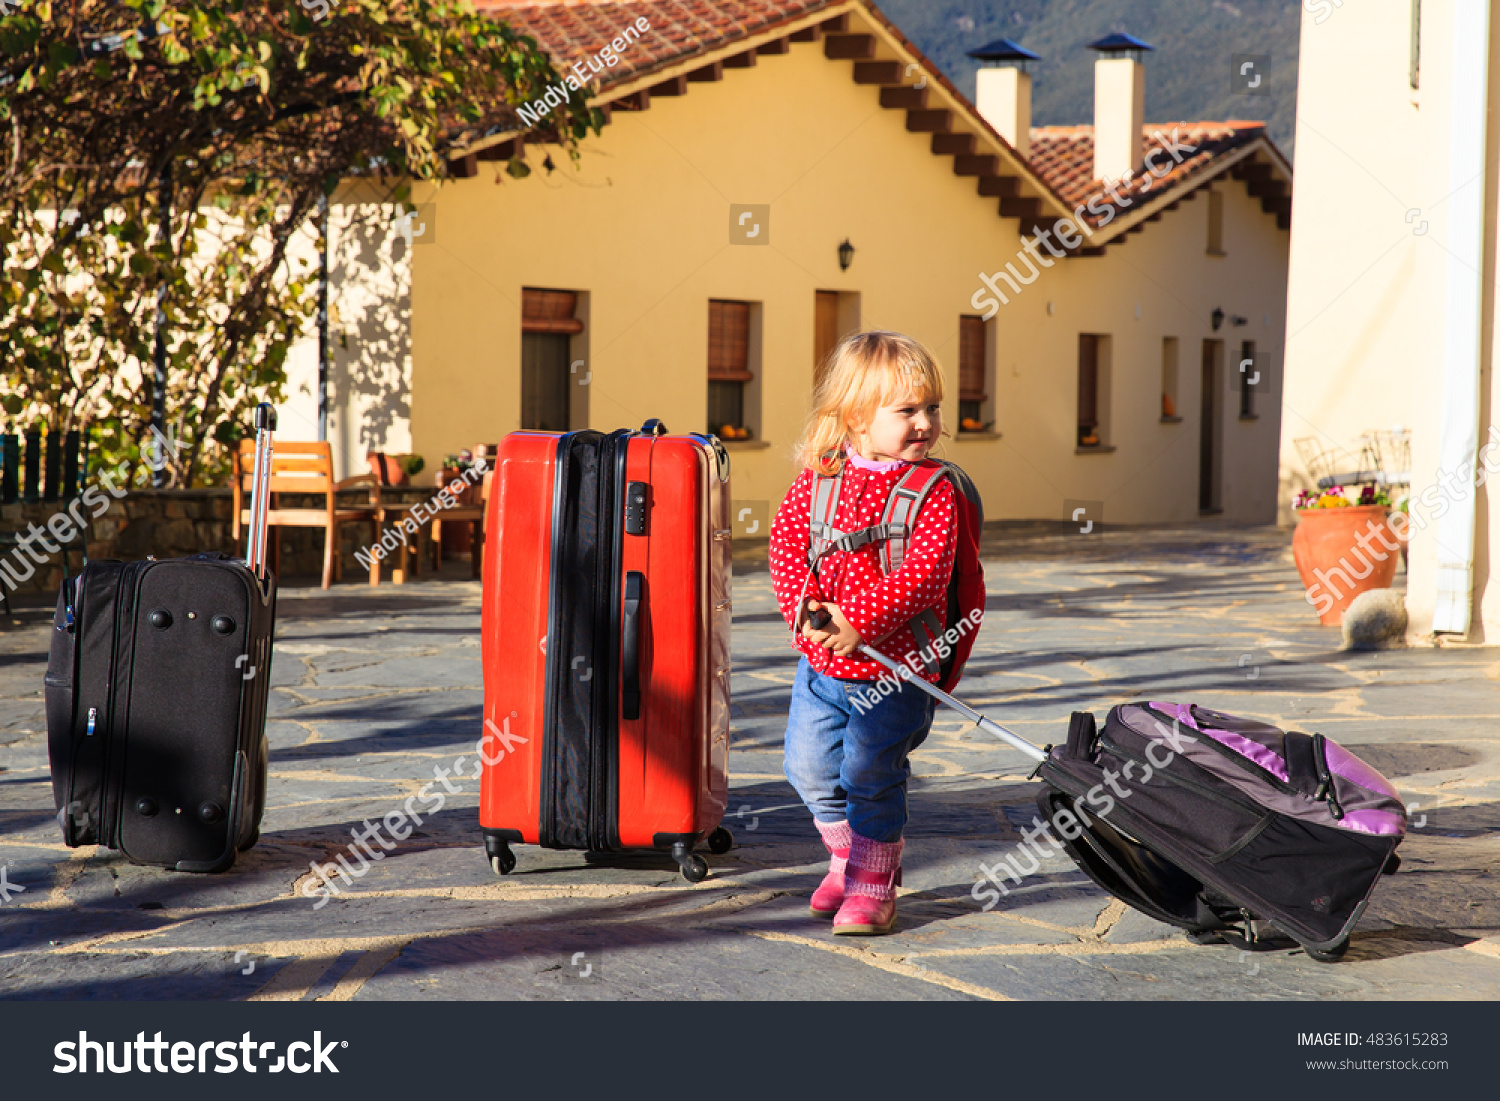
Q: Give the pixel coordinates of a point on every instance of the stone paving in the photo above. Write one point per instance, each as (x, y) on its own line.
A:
(374, 689)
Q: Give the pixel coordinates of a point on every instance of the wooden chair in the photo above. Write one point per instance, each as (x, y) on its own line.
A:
(298, 467)
(466, 513)
(386, 473)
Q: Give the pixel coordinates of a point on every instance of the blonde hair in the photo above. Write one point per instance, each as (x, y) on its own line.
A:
(865, 371)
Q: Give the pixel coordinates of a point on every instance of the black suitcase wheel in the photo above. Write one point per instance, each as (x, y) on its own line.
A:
(1329, 955)
(720, 841)
(694, 867)
(503, 862)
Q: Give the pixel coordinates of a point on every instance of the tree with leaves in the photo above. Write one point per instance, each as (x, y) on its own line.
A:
(156, 164)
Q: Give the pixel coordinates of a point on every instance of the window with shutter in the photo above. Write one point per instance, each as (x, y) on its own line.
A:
(1216, 223)
(1088, 390)
(1249, 378)
(731, 377)
(971, 374)
(1169, 380)
(729, 341)
(548, 325)
(549, 311)
(825, 330)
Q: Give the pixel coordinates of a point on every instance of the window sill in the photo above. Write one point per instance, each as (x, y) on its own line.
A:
(1171, 420)
(1249, 416)
(1098, 449)
(961, 435)
(744, 445)
(1215, 252)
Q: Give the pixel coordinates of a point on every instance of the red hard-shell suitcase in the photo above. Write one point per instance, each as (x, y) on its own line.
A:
(606, 624)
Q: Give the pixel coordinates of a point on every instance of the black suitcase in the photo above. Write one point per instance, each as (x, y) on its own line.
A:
(156, 694)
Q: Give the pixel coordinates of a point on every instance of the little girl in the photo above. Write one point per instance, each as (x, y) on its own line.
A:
(875, 413)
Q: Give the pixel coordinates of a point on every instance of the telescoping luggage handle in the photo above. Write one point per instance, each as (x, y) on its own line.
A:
(820, 619)
(260, 492)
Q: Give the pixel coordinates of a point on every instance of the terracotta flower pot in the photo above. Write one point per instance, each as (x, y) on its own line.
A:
(1340, 553)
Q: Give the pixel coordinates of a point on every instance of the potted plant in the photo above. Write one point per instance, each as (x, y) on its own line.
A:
(1343, 547)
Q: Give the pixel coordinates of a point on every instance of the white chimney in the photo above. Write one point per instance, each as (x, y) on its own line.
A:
(1119, 105)
(1004, 101)
(1003, 91)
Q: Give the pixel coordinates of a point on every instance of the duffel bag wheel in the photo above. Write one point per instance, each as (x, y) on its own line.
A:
(695, 869)
(720, 841)
(503, 863)
(1330, 955)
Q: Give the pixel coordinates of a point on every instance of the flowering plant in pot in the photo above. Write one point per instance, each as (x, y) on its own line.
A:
(1344, 546)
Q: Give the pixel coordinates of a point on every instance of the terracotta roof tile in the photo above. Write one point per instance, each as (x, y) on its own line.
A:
(1064, 157)
(575, 30)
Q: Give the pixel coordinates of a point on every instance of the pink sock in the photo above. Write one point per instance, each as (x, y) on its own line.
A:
(837, 838)
(874, 868)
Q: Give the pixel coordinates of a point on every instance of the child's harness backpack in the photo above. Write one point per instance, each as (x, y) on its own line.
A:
(939, 653)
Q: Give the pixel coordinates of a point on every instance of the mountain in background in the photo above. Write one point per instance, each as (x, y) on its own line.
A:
(1188, 77)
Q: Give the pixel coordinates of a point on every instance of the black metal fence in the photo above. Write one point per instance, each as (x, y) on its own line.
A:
(37, 467)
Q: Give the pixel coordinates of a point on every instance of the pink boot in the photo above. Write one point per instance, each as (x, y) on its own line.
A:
(870, 882)
(830, 893)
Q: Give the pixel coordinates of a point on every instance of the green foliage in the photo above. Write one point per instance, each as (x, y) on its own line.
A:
(243, 115)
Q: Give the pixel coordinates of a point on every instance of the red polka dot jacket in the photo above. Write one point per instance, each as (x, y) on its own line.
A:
(877, 606)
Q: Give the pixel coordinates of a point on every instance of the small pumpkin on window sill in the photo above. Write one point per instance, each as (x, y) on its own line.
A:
(732, 432)
(969, 424)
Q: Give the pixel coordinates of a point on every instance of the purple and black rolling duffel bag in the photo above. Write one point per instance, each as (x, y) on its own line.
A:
(1212, 822)
(1224, 821)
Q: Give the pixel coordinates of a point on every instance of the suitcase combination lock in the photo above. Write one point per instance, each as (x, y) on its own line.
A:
(635, 508)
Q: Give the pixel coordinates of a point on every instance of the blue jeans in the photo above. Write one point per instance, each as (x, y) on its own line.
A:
(851, 762)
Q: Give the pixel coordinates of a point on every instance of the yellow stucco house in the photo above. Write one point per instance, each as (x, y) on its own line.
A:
(1392, 294)
(1107, 300)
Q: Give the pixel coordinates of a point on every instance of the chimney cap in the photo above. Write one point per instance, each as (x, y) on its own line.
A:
(1120, 43)
(1003, 49)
